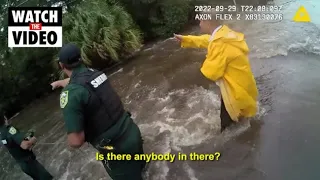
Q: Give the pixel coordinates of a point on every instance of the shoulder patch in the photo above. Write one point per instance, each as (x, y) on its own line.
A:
(12, 130)
(64, 99)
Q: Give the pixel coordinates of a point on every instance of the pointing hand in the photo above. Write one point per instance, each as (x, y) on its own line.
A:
(178, 37)
(55, 85)
(60, 83)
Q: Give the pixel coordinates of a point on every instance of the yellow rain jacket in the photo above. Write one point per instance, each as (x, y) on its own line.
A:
(227, 64)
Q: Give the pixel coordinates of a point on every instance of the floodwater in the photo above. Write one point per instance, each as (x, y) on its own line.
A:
(177, 110)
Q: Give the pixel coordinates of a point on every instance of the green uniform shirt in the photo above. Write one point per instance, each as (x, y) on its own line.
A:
(73, 99)
(12, 138)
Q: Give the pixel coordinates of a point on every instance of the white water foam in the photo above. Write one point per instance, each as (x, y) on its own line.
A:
(268, 39)
(120, 70)
(174, 125)
(202, 108)
(189, 171)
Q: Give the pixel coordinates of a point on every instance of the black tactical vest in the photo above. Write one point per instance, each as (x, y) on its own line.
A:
(104, 107)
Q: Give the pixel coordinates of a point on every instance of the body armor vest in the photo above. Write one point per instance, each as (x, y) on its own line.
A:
(104, 107)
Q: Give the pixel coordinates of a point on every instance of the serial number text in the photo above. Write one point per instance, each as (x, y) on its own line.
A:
(263, 17)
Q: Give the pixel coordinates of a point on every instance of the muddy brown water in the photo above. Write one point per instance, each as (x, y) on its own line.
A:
(177, 110)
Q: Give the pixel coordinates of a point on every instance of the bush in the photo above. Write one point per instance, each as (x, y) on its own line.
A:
(169, 17)
(105, 33)
(25, 73)
(159, 18)
(24, 77)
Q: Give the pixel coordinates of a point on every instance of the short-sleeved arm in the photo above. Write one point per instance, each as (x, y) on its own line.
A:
(15, 135)
(73, 99)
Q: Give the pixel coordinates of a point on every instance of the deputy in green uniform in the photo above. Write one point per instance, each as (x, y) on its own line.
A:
(19, 146)
(93, 112)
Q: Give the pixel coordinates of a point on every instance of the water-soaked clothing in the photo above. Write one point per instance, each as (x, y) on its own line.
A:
(226, 120)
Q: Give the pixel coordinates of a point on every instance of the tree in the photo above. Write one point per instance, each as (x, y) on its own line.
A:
(22, 71)
(159, 18)
(105, 33)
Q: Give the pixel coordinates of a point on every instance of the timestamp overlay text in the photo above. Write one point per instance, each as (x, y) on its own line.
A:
(243, 12)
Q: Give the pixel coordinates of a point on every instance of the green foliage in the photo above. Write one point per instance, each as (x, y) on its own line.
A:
(105, 33)
(25, 73)
(159, 18)
(169, 17)
(24, 76)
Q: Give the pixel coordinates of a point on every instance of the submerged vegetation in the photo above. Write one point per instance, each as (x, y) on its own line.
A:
(107, 31)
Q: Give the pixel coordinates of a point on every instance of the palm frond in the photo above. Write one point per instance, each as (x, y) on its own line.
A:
(102, 31)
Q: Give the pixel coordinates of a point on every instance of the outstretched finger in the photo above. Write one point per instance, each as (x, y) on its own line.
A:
(177, 38)
(54, 86)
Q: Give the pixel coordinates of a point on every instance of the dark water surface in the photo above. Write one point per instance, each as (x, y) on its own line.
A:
(177, 110)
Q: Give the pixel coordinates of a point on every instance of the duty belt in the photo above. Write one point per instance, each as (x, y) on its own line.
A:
(115, 134)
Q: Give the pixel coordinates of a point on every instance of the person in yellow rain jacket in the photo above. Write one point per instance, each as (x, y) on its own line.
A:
(227, 64)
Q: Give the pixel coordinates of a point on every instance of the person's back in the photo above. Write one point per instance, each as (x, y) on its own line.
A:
(93, 112)
(102, 106)
(228, 65)
(237, 81)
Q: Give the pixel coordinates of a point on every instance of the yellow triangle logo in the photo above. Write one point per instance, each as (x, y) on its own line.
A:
(301, 15)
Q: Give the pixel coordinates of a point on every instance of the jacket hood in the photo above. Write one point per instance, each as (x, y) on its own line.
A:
(231, 37)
